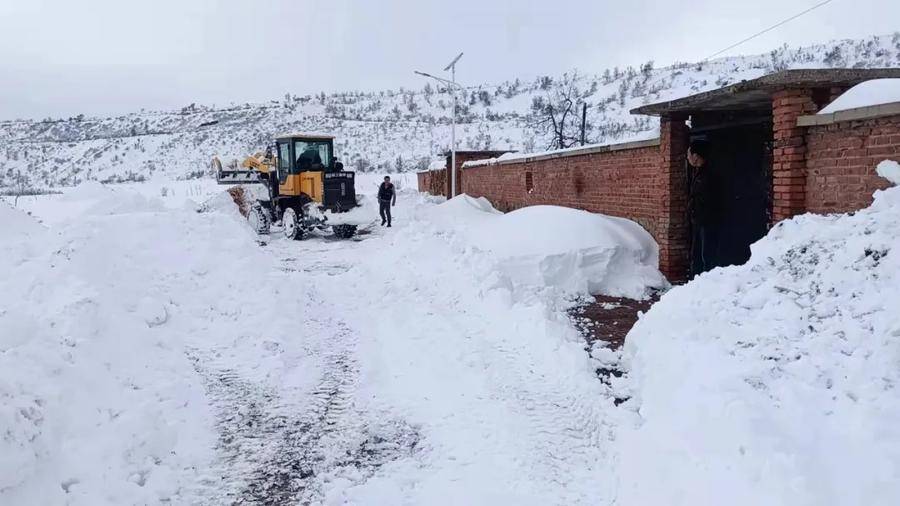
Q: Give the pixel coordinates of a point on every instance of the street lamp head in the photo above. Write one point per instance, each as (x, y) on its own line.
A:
(451, 64)
(425, 74)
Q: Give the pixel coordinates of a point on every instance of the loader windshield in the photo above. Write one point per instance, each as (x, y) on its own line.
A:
(312, 155)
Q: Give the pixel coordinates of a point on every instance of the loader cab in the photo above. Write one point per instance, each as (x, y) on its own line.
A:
(307, 168)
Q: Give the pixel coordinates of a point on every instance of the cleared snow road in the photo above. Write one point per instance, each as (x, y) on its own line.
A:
(481, 395)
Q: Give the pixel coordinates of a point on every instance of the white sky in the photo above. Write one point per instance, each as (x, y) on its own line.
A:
(64, 57)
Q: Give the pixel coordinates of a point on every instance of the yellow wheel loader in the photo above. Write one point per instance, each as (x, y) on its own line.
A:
(302, 178)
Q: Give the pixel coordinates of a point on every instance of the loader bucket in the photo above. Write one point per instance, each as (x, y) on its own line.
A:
(234, 174)
(238, 177)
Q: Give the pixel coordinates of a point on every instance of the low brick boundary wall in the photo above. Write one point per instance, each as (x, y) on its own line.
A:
(433, 182)
(620, 182)
(841, 159)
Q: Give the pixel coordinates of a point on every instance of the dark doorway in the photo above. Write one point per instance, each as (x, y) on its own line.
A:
(743, 156)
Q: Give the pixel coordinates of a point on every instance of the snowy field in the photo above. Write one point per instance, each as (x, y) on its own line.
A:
(154, 354)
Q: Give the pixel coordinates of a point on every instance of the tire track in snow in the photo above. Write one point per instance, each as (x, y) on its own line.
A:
(278, 446)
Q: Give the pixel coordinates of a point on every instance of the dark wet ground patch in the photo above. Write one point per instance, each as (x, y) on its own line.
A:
(604, 323)
(608, 319)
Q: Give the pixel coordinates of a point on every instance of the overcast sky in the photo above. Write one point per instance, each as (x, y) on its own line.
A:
(64, 57)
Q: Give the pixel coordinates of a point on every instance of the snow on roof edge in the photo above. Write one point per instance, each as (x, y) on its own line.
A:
(634, 143)
(871, 93)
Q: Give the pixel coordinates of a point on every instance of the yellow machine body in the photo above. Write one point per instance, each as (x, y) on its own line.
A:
(308, 183)
(298, 169)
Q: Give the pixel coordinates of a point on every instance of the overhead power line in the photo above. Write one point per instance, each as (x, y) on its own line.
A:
(769, 29)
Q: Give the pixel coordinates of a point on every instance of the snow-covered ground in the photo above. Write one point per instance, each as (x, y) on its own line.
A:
(151, 353)
(154, 354)
(775, 382)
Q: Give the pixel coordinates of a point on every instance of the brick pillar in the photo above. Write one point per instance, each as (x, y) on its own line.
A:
(672, 234)
(789, 155)
(460, 160)
(447, 181)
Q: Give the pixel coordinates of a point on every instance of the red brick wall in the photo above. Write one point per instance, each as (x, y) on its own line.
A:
(423, 179)
(619, 183)
(433, 182)
(841, 160)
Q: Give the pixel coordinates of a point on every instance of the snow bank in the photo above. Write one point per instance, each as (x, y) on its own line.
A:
(889, 170)
(461, 213)
(88, 190)
(99, 403)
(562, 248)
(869, 93)
(575, 251)
(17, 224)
(126, 202)
(775, 382)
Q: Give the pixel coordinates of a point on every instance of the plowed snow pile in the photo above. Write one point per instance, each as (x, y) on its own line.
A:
(98, 402)
(775, 382)
(558, 247)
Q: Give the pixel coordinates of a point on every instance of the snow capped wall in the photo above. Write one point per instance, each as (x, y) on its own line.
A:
(775, 382)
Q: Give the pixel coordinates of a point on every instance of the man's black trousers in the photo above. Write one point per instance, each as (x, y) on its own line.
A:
(384, 209)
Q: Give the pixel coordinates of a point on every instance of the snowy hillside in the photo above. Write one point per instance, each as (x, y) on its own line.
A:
(394, 130)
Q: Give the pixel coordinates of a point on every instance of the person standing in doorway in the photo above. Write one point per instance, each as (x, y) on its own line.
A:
(387, 197)
(704, 209)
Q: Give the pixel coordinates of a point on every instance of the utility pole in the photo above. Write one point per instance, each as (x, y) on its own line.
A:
(452, 86)
(583, 120)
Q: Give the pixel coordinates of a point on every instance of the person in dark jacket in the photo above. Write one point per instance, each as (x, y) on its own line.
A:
(704, 208)
(387, 197)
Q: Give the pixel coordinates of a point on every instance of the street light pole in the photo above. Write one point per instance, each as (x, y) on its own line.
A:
(453, 134)
(452, 86)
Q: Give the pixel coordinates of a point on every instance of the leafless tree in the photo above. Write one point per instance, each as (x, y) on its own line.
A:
(557, 113)
(21, 186)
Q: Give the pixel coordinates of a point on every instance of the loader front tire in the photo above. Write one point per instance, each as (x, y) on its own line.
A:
(258, 219)
(291, 223)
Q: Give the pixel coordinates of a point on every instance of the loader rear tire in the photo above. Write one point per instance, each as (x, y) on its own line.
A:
(291, 223)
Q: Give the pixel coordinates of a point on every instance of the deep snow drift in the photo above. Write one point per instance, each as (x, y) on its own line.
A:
(775, 382)
(566, 249)
(100, 403)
